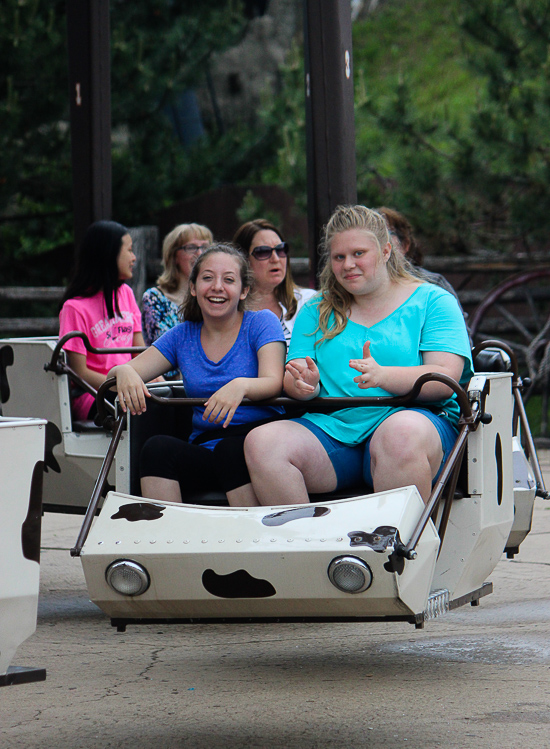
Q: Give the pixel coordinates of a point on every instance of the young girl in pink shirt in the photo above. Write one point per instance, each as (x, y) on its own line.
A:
(99, 303)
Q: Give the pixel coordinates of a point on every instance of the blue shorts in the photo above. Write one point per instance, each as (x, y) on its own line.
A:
(447, 434)
(347, 460)
(351, 463)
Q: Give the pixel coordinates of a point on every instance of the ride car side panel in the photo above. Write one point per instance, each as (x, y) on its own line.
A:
(480, 522)
(21, 455)
(193, 553)
(73, 459)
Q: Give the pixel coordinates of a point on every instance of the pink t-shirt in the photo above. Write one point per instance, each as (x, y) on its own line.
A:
(89, 315)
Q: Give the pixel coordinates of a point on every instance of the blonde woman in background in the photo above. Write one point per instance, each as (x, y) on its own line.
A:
(160, 304)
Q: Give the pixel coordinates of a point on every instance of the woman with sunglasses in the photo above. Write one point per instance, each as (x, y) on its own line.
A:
(274, 288)
(160, 304)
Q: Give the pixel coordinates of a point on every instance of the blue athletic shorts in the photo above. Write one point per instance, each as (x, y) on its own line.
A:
(351, 463)
(447, 434)
(347, 460)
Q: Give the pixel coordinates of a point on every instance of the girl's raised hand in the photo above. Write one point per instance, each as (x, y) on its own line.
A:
(305, 374)
(370, 371)
(224, 402)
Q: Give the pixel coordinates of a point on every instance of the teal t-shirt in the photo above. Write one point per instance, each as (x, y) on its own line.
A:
(429, 320)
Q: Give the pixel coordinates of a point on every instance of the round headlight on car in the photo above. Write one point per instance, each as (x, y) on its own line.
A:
(350, 574)
(127, 578)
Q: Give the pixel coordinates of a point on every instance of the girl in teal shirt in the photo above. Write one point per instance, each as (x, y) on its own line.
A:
(373, 329)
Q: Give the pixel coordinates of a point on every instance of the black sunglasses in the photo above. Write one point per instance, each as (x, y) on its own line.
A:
(264, 252)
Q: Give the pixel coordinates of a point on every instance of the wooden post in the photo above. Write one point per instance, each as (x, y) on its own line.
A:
(330, 125)
(145, 241)
(88, 36)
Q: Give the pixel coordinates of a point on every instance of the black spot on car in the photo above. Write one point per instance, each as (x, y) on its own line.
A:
(53, 438)
(378, 540)
(285, 516)
(30, 530)
(239, 584)
(138, 511)
(6, 360)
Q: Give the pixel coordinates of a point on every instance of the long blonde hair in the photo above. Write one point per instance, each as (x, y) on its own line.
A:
(334, 298)
(180, 235)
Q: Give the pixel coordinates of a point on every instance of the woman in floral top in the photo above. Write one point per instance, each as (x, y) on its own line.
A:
(160, 304)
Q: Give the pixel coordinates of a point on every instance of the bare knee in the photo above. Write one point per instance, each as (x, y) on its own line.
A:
(399, 444)
(262, 441)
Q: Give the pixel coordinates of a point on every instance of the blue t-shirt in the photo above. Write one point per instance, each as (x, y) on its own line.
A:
(429, 320)
(201, 377)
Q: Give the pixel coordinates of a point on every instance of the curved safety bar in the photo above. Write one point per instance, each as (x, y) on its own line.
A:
(105, 410)
(495, 343)
(119, 426)
(315, 404)
(333, 404)
(54, 365)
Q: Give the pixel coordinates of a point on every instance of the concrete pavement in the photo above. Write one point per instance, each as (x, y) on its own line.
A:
(478, 677)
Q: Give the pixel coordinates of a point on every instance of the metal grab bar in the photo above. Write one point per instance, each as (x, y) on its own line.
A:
(495, 343)
(98, 487)
(316, 404)
(449, 472)
(55, 365)
(61, 367)
(531, 449)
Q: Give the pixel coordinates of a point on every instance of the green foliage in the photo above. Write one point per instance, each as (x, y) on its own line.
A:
(35, 166)
(452, 111)
(159, 49)
(253, 207)
(473, 171)
(284, 118)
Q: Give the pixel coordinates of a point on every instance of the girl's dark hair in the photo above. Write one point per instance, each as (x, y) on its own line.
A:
(96, 264)
(190, 309)
(284, 292)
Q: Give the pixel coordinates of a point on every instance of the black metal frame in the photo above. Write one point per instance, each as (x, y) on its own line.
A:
(520, 415)
(60, 366)
(417, 619)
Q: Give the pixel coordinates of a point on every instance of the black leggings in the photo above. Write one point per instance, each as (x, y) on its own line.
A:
(195, 467)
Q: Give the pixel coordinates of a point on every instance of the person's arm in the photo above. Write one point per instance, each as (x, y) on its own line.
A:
(138, 340)
(399, 380)
(77, 362)
(302, 379)
(222, 404)
(131, 378)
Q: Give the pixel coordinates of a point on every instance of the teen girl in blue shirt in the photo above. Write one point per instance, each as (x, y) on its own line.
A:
(224, 353)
